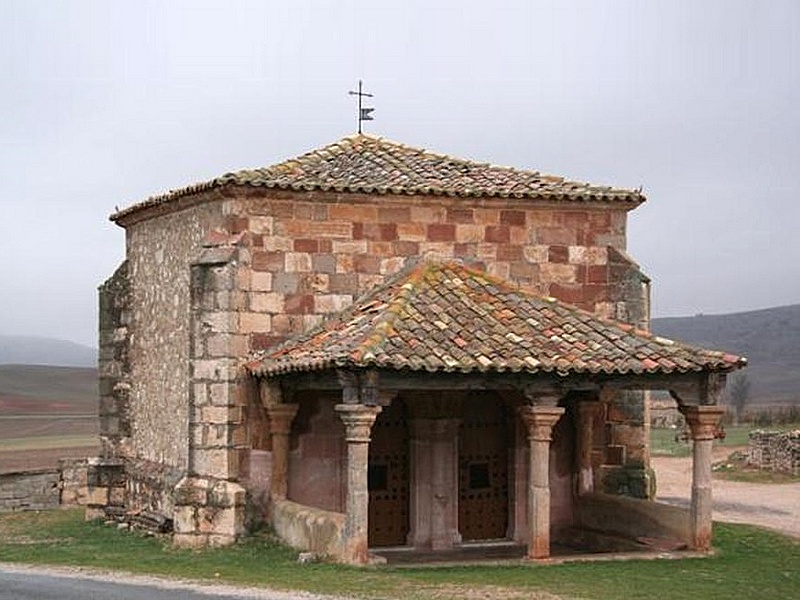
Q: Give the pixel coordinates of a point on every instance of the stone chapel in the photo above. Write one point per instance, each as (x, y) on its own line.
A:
(374, 347)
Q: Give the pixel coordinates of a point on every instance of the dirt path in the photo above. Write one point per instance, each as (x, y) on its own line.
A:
(775, 506)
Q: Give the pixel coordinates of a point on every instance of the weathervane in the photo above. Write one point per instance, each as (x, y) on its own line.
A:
(364, 113)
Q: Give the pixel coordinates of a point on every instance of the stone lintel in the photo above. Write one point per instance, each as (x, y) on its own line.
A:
(703, 389)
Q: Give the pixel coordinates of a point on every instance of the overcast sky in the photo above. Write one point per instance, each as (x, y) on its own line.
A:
(105, 103)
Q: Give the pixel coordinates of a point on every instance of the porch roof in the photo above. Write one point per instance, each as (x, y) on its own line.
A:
(448, 317)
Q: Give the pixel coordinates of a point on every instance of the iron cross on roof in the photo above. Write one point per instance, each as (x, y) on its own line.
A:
(364, 113)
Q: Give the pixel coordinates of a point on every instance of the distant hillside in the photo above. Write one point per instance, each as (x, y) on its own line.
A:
(37, 389)
(769, 338)
(29, 350)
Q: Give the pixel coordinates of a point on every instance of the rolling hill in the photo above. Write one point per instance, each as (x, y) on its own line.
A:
(31, 350)
(769, 338)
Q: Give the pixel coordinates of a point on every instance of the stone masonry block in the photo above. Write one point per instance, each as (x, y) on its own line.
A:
(440, 249)
(559, 273)
(215, 462)
(225, 494)
(278, 244)
(261, 281)
(412, 232)
(220, 414)
(392, 265)
(269, 302)
(330, 303)
(469, 233)
(355, 213)
(350, 247)
(184, 519)
(536, 254)
(221, 321)
(221, 394)
(318, 282)
(428, 214)
(263, 225)
(298, 262)
(251, 322)
(487, 216)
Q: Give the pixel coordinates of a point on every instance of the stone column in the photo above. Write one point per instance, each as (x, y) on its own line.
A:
(702, 421)
(280, 423)
(358, 420)
(540, 421)
(585, 442)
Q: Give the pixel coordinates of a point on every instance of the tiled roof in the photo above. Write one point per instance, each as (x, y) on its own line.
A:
(374, 165)
(445, 317)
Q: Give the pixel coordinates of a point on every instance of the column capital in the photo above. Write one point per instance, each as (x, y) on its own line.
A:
(702, 420)
(358, 420)
(540, 421)
(281, 417)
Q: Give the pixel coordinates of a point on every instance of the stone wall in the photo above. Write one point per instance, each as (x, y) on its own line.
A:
(312, 254)
(159, 254)
(31, 490)
(776, 451)
(43, 489)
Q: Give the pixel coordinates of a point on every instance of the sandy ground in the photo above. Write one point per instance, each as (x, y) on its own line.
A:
(775, 506)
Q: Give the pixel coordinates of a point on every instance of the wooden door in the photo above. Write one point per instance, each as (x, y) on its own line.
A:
(388, 478)
(483, 469)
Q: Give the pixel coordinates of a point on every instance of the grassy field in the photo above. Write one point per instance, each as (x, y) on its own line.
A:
(750, 563)
(663, 443)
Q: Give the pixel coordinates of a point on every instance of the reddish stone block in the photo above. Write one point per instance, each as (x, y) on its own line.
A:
(412, 232)
(404, 248)
(571, 293)
(306, 245)
(555, 235)
(512, 217)
(524, 271)
(558, 254)
(366, 263)
(262, 341)
(235, 224)
(599, 221)
(394, 214)
(597, 274)
(343, 283)
(486, 216)
(460, 215)
(427, 214)
(465, 250)
(509, 252)
(313, 229)
(497, 234)
(441, 232)
(304, 210)
(358, 231)
(325, 245)
(354, 213)
(256, 240)
(298, 304)
(379, 248)
(283, 210)
(573, 219)
(268, 261)
(383, 232)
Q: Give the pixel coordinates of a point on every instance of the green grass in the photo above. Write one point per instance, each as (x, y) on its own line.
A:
(662, 441)
(750, 563)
